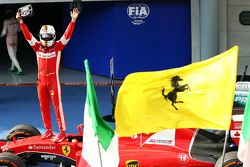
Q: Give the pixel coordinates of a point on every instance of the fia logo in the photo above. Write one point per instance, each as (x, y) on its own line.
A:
(138, 12)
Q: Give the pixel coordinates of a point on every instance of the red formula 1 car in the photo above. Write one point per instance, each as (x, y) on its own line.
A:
(168, 148)
(171, 148)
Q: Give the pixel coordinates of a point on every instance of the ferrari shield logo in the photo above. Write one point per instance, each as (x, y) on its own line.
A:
(66, 150)
(132, 163)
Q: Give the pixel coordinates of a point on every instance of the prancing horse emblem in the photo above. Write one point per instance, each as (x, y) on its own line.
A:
(172, 96)
(66, 150)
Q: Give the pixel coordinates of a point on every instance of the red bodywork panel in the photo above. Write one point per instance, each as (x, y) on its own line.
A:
(131, 151)
(150, 155)
(34, 144)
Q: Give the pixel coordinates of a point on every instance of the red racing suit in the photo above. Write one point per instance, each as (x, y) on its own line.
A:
(48, 61)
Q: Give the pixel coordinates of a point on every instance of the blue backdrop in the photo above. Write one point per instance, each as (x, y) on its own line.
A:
(106, 29)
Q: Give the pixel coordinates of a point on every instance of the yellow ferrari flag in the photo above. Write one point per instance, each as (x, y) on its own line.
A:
(199, 95)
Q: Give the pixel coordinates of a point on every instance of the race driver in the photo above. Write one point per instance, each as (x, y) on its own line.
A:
(10, 29)
(48, 53)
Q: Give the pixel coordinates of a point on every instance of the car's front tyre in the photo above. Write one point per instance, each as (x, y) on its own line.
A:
(8, 159)
(22, 131)
(230, 160)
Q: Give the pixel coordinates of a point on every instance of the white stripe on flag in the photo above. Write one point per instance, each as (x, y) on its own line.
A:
(90, 150)
(100, 143)
(244, 152)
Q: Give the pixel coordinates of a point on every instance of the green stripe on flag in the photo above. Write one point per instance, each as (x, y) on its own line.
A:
(102, 129)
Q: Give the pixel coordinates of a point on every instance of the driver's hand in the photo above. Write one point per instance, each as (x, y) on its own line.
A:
(74, 14)
(19, 17)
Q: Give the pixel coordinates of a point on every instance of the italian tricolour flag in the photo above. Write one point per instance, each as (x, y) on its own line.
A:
(100, 143)
(244, 146)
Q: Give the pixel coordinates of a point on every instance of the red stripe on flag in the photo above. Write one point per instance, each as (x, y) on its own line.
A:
(82, 163)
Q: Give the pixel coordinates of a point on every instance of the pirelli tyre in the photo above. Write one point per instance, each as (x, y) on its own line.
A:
(22, 131)
(230, 160)
(8, 159)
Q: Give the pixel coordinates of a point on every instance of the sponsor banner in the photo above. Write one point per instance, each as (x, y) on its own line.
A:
(240, 98)
(235, 133)
(242, 86)
(47, 157)
(165, 137)
(238, 118)
(41, 147)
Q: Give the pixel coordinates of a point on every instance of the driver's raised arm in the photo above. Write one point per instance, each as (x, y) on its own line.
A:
(28, 36)
(68, 32)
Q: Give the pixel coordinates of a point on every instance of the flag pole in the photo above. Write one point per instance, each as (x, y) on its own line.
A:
(111, 118)
(100, 154)
(244, 76)
(224, 147)
(141, 140)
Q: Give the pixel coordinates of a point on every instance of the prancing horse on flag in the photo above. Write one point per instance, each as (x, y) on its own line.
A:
(172, 96)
